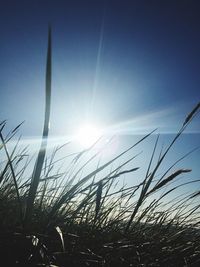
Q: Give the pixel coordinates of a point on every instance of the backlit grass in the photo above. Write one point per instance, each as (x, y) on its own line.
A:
(50, 217)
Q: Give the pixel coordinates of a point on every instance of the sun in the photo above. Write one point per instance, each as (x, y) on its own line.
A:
(88, 134)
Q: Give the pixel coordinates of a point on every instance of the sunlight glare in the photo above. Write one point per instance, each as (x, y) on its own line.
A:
(88, 135)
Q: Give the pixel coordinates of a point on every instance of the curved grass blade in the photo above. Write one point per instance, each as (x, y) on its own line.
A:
(168, 179)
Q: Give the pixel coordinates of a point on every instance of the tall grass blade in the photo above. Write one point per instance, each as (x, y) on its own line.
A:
(41, 155)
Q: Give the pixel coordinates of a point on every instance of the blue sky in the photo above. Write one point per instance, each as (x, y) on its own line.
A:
(130, 66)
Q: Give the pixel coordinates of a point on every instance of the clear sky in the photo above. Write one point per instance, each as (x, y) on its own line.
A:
(128, 65)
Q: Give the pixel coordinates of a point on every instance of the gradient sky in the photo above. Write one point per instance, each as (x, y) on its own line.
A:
(131, 66)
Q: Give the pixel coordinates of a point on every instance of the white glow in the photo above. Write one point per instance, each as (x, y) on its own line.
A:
(88, 135)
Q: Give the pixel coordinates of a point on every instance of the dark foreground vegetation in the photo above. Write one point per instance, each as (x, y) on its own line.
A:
(51, 217)
(87, 221)
(144, 246)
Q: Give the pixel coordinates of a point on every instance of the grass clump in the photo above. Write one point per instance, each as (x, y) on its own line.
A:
(78, 218)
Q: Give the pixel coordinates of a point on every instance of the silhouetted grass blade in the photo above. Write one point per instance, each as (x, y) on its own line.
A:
(41, 155)
(192, 114)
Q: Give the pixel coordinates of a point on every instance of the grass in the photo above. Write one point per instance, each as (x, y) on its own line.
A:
(78, 218)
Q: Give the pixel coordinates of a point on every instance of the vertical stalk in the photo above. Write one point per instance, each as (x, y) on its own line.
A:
(42, 152)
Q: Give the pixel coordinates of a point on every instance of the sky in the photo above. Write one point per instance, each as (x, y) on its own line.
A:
(129, 66)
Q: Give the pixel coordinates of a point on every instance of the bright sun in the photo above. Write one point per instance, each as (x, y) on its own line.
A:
(88, 135)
